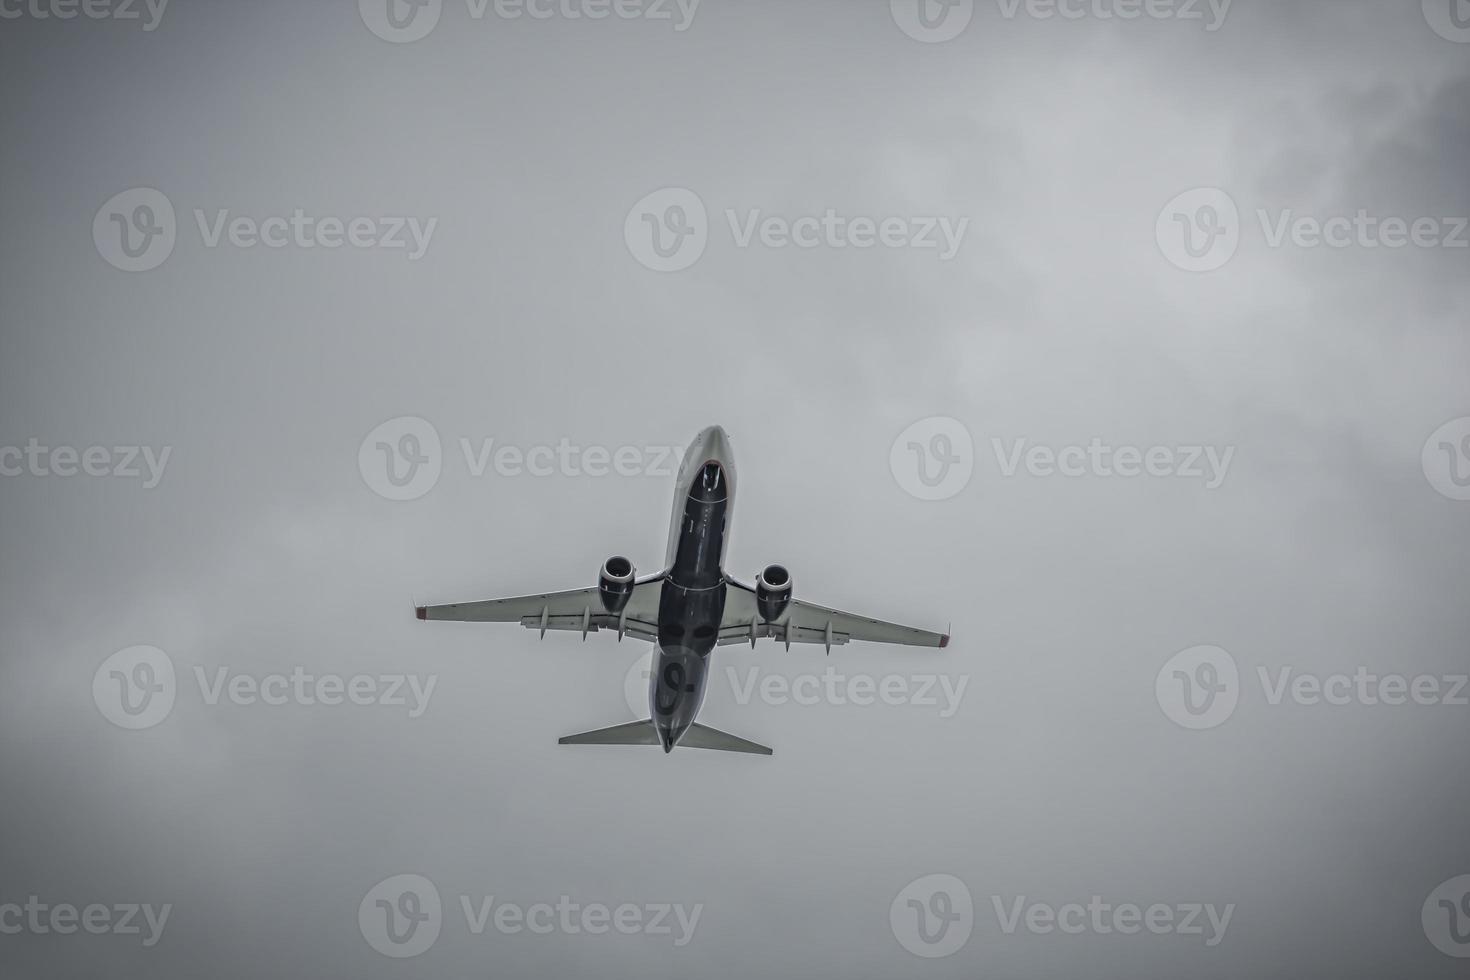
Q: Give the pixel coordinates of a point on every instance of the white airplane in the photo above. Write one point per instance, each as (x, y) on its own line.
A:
(686, 610)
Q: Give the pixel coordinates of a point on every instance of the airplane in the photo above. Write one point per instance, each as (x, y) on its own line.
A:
(686, 610)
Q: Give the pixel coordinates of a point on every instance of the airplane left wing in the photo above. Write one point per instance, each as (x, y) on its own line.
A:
(807, 622)
(577, 609)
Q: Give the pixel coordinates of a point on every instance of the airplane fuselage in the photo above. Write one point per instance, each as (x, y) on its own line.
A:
(692, 601)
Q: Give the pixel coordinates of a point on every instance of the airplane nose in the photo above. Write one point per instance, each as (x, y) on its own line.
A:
(719, 443)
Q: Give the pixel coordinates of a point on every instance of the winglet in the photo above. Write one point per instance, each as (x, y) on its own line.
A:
(944, 640)
(422, 612)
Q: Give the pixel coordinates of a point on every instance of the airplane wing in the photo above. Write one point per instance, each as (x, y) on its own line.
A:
(806, 622)
(576, 609)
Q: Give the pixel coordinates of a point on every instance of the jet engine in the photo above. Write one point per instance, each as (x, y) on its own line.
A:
(615, 583)
(772, 592)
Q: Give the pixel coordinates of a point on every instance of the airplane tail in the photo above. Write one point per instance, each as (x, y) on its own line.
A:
(704, 737)
(633, 733)
(644, 733)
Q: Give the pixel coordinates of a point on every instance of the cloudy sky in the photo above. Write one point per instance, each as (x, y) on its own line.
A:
(1134, 347)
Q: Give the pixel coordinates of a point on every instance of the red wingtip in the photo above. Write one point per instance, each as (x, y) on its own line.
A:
(422, 612)
(944, 641)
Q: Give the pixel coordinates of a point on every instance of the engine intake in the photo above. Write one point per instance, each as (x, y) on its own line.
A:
(772, 592)
(615, 583)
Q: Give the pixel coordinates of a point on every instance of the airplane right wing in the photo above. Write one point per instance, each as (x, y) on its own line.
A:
(576, 609)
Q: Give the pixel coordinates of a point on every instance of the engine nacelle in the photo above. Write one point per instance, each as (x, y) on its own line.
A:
(772, 592)
(615, 583)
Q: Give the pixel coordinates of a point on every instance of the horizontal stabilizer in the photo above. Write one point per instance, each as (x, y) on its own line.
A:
(633, 733)
(704, 737)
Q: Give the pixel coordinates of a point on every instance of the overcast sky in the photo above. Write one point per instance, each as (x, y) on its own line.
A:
(989, 257)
